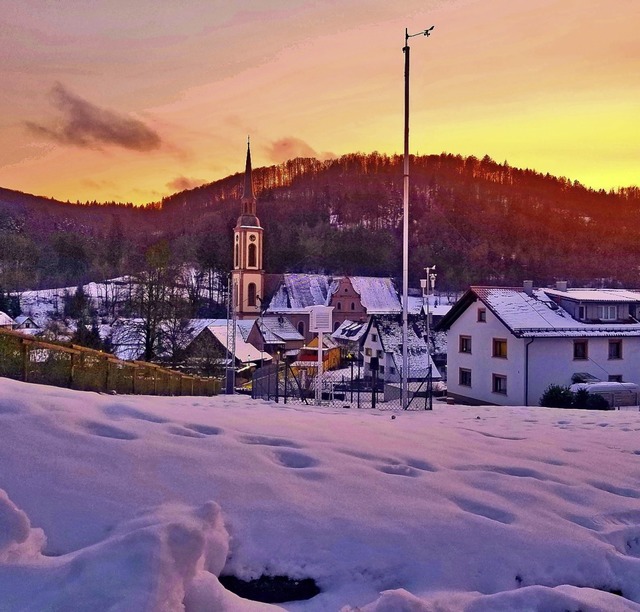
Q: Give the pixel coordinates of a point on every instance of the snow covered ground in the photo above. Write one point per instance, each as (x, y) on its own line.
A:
(138, 503)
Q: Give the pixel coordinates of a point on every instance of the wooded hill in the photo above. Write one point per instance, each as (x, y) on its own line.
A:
(479, 221)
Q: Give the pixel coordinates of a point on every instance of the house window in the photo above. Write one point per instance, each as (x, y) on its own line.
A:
(465, 344)
(582, 313)
(615, 377)
(580, 349)
(367, 352)
(499, 384)
(339, 306)
(353, 305)
(236, 257)
(464, 377)
(615, 349)
(374, 337)
(499, 347)
(381, 369)
(482, 315)
(301, 328)
(252, 256)
(336, 324)
(380, 354)
(608, 313)
(251, 294)
(392, 370)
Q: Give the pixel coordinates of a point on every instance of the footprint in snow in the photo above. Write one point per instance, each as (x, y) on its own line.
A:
(206, 430)
(294, 459)
(268, 441)
(118, 411)
(108, 431)
(177, 430)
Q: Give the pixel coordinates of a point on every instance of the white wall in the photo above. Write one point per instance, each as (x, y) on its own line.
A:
(551, 362)
(481, 362)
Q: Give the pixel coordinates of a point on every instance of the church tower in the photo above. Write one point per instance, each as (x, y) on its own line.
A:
(248, 274)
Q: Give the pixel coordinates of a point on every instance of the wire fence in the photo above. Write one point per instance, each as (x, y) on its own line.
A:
(282, 383)
(76, 367)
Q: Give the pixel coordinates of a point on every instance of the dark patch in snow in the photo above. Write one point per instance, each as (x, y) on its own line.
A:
(271, 589)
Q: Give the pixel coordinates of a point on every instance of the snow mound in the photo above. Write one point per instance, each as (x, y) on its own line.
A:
(18, 542)
(151, 562)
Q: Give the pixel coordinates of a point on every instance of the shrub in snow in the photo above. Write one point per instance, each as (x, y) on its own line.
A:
(557, 396)
(597, 402)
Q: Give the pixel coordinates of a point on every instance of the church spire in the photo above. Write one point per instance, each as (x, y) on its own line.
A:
(248, 182)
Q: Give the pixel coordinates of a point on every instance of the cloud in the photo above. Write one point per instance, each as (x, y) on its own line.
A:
(289, 148)
(86, 125)
(180, 183)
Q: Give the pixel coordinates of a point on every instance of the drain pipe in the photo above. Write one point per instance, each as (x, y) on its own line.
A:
(526, 371)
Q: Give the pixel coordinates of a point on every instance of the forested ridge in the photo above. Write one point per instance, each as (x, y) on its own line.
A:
(479, 221)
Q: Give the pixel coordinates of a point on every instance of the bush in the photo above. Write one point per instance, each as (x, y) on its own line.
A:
(597, 402)
(557, 396)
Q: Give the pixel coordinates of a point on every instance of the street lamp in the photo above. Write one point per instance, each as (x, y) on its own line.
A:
(405, 224)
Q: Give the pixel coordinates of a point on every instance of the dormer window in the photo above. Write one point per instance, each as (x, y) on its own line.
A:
(608, 313)
(582, 313)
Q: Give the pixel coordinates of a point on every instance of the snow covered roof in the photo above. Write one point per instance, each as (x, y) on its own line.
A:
(350, 331)
(278, 330)
(377, 295)
(534, 316)
(390, 332)
(596, 295)
(245, 352)
(299, 291)
(5, 319)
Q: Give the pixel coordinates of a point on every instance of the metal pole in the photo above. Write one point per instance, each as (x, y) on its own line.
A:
(405, 225)
(319, 376)
(405, 234)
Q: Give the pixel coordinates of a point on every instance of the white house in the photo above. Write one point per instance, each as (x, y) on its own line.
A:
(383, 342)
(507, 345)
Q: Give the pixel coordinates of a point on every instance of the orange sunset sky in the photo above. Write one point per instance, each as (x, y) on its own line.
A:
(133, 100)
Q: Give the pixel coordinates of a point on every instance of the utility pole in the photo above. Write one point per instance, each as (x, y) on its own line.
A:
(405, 224)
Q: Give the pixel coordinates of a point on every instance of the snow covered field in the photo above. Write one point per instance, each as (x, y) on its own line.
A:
(137, 503)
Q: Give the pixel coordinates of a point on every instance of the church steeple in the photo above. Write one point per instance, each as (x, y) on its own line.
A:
(248, 209)
(247, 194)
(248, 272)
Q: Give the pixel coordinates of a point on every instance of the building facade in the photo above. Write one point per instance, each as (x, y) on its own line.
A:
(507, 345)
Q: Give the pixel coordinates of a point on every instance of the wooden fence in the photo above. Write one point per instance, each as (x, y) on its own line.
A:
(77, 367)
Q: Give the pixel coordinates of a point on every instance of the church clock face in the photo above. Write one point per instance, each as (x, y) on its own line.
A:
(252, 238)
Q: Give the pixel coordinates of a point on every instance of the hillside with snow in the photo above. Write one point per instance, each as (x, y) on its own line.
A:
(141, 503)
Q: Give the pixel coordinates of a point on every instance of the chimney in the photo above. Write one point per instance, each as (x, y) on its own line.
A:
(527, 287)
(561, 285)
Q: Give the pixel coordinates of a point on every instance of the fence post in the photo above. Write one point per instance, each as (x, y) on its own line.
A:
(25, 360)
